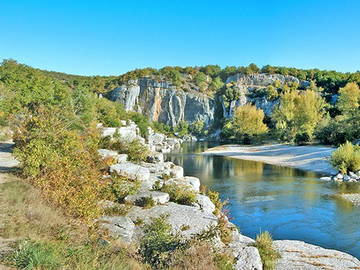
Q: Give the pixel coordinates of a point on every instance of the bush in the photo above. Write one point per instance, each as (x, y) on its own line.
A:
(181, 194)
(120, 187)
(159, 243)
(268, 254)
(215, 199)
(62, 162)
(346, 158)
(146, 202)
(135, 150)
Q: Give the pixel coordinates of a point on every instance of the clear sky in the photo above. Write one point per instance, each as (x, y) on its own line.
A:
(113, 37)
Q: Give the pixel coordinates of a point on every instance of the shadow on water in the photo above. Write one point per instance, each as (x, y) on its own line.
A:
(289, 203)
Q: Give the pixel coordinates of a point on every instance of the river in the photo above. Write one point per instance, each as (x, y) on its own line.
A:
(289, 203)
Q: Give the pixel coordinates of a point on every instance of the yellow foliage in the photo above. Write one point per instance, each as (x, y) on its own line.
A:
(249, 120)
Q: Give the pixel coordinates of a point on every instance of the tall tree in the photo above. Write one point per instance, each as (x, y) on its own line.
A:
(349, 99)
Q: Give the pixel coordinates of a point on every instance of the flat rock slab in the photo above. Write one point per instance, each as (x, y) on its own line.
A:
(131, 171)
(296, 255)
(179, 216)
(119, 227)
(189, 181)
(157, 196)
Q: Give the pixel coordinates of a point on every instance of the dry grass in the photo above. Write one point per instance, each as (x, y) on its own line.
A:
(44, 238)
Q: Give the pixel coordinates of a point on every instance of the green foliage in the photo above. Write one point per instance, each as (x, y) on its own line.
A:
(268, 254)
(215, 199)
(349, 99)
(159, 243)
(31, 255)
(182, 128)
(117, 188)
(298, 114)
(146, 202)
(60, 161)
(181, 194)
(60, 254)
(340, 129)
(197, 128)
(135, 150)
(346, 158)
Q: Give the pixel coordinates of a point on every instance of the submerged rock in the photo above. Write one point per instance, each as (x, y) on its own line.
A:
(298, 255)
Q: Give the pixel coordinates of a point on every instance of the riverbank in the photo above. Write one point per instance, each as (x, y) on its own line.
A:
(309, 158)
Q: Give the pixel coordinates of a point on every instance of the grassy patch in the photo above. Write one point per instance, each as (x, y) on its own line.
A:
(181, 194)
(268, 254)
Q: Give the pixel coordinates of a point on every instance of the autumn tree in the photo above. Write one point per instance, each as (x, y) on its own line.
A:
(248, 122)
(349, 99)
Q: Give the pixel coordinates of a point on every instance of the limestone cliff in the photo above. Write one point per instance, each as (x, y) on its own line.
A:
(162, 102)
(248, 84)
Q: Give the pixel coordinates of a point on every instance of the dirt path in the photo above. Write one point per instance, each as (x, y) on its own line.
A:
(7, 165)
(310, 158)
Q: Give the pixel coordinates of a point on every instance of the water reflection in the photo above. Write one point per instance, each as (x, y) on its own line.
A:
(291, 204)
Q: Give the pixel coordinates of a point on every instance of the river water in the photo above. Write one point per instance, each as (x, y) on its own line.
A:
(289, 203)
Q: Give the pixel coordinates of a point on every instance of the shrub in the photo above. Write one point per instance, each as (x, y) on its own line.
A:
(61, 161)
(346, 158)
(120, 187)
(268, 254)
(159, 242)
(146, 202)
(135, 150)
(181, 194)
(201, 255)
(215, 199)
(31, 255)
(226, 231)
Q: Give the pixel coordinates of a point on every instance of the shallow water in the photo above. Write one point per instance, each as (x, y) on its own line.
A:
(289, 203)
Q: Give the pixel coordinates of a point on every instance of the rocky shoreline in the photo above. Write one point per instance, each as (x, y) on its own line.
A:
(198, 217)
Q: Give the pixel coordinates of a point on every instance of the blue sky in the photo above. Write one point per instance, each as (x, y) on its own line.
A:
(113, 37)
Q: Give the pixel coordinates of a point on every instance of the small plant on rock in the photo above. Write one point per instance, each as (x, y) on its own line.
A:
(268, 254)
(181, 194)
(146, 202)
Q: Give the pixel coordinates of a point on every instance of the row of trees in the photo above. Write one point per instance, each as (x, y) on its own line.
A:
(301, 116)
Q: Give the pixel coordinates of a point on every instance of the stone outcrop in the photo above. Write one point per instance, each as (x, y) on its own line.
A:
(246, 84)
(197, 218)
(162, 102)
(298, 255)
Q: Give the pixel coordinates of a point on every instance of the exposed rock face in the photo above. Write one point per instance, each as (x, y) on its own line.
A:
(299, 255)
(119, 227)
(252, 82)
(178, 216)
(247, 255)
(130, 170)
(162, 102)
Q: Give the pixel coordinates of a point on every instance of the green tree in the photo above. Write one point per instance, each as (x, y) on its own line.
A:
(298, 114)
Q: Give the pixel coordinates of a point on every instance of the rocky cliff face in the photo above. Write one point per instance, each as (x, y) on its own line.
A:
(248, 84)
(162, 102)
